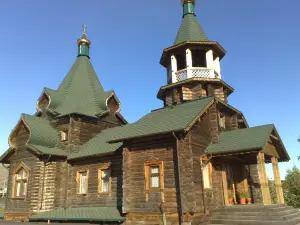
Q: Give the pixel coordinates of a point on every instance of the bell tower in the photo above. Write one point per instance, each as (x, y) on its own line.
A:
(192, 63)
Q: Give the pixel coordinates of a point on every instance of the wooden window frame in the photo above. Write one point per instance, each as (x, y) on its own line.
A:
(14, 186)
(100, 170)
(78, 178)
(147, 169)
(64, 135)
(205, 160)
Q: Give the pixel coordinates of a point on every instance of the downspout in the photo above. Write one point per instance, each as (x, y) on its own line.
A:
(66, 184)
(68, 169)
(164, 219)
(43, 184)
(179, 176)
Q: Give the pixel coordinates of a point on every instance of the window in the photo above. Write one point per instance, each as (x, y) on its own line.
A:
(82, 181)
(222, 121)
(21, 173)
(199, 58)
(206, 167)
(21, 183)
(64, 135)
(104, 180)
(154, 175)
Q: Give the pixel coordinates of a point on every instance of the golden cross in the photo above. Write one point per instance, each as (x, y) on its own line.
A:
(84, 28)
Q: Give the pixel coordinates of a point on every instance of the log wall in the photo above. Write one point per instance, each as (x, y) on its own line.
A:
(114, 198)
(22, 207)
(139, 205)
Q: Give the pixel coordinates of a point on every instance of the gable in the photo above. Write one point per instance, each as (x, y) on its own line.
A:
(224, 107)
(19, 135)
(35, 133)
(169, 119)
(252, 139)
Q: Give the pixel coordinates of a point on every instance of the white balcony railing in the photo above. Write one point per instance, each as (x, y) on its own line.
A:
(200, 72)
(181, 75)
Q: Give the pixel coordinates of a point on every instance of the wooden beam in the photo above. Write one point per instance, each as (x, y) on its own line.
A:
(273, 136)
(277, 180)
(264, 183)
(225, 185)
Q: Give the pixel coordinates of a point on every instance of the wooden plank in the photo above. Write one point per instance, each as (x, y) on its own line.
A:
(225, 185)
(263, 178)
(277, 180)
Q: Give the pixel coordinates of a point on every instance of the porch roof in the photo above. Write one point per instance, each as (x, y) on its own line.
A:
(247, 139)
(100, 214)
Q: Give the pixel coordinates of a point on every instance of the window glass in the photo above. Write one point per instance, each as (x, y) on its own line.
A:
(21, 183)
(154, 176)
(83, 183)
(105, 180)
(18, 186)
(205, 174)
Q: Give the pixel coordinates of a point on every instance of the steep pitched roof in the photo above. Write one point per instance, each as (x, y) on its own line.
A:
(91, 213)
(169, 119)
(41, 131)
(43, 138)
(80, 92)
(253, 138)
(190, 30)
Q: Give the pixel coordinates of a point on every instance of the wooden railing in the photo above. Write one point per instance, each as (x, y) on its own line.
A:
(200, 72)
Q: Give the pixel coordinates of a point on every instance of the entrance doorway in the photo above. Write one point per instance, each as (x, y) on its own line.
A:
(234, 181)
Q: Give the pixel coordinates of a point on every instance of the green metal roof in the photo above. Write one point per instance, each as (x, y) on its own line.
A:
(43, 139)
(190, 30)
(98, 145)
(80, 214)
(253, 138)
(80, 92)
(48, 151)
(41, 131)
(168, 119)
(175, 118)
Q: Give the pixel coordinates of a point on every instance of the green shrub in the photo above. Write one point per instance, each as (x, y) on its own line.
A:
(291, 187)
(273, 193)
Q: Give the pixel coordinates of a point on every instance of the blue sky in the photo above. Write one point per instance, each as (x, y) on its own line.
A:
(38, 47)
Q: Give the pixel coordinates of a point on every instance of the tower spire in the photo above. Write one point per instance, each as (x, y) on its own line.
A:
(83, 44)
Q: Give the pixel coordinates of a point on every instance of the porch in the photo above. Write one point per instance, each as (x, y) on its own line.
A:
(242, 156)
(245, 177)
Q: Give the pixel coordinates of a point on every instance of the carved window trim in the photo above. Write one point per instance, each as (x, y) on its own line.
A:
(16, 180)
(147, 170)
(79, 175)
(206, 171)
(100, 179)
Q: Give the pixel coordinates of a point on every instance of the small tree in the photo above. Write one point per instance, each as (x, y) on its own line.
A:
(291, 187)
(273, 193)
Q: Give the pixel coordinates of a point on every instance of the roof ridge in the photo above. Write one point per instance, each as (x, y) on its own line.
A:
(183, 103)
(80, 91)
(247, 128)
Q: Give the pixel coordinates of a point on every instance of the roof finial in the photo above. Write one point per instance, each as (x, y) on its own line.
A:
(188, 1)
(83, 43)
(84, 29)
(188, 7)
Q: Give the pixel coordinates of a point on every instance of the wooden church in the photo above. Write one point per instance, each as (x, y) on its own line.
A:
(78, 159)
